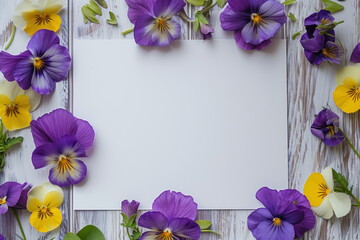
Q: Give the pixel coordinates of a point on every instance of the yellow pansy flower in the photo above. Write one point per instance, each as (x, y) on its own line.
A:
(347, 93)
(43, 202)
(324, 201)
(33, 15)
(16, 104)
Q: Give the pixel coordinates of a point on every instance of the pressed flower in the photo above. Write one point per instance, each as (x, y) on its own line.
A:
(16, 104)
(279, 217)
(172, 217)
(129, 208)
(326, 127)
(44, 64)
(324, 201)
(10, 193)
(43, 202)
(347, 93)
(34, 15)
(253, 21)
(60, 139)
(153, 21)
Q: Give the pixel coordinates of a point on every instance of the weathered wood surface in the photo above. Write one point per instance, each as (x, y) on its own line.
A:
(309, 89)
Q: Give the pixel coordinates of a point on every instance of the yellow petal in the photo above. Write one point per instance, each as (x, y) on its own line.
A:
(315, 189)
(53, 199)
(33, 204)
(40, 192)
(53, 6)
(34, 22)
(45, 220)
(15, 115)
(349, 71)
(346, 96)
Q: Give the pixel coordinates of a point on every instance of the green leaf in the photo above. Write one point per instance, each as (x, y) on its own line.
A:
(93, 6)
(112, 19)
(221, 3)
(89, 14)
(288, 2)
(196, 2)
(204, 224)
(341, 184)
(12, 141)
(292, 17)
(210, 231)
(196, 24)
(136, 235)
(102, 3)
(125, 218)
(201, 17)
(71, 236)
(295, 35)
(331, 6)
(90, 232)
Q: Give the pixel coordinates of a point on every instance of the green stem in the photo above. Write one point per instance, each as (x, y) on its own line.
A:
(351, 145)
(128, 233)
(11, 38)
(18, 221)
(208, 8)
(357, 200)
(127, 31)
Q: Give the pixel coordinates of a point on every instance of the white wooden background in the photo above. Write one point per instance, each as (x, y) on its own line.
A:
(309, 89)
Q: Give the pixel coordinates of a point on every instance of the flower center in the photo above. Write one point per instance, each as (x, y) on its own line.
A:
(65, 164)
(38, 63)
(257, 20)
(42, 19)
(354, 94)
(161, 25)
(324, 190)
(325, 21)
(44, 212)
(277, 221)
(2, 200)
(295, 202)
(166, 235)
(12, 110)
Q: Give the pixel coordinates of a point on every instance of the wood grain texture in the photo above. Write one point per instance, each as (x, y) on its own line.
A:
(309, 89)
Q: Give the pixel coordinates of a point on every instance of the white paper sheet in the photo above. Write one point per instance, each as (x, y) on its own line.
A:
(204, 118)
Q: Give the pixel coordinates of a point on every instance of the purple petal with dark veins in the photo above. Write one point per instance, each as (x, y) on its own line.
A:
(175, 205)
(21, 204)
(12, 192)
(355, 56)
(185, 228)
(85, 133)
(272, 10)
(231, 20)
(8, 64)
(74, 176)
(258, 216)
(311, 20)
(42, 83)
(295, 197)
(315, 44)
(154, 221)
(41, 41)
(267, 231)
(24, 71)
(240, 6)
(151, 235)
(248, 46)
(168, 8)
(58, 61)
(138, 8)
(3, 208)
(306, 224)
(324, 17)
(255, 5)
(129, 208)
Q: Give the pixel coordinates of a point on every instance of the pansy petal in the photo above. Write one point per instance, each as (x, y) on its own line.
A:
(33, 204)
(42, 41)
(325, 209)
(306, 224)
(314, 184)
(232, 20)
(341, 203)
(314, 58)
(185, 228)
(266, 230)
(58, 62)
(294, 196)
(315, 44)
(23, 73)
(311, 20)
(257, 216)
(256, 35)
(328, 176)
(355, 55)
(53, 199)
(85, 134)
(154, 221)
(175, 205)
(39, 192)
(52, 126)
(294, 217)
(239, 6)
(345, 98)
(45, 155)
(46, 224)
(150, 235)
(17, 118)
(324, 17)
(3, 208)
(33, 26)
(168, 8)
(138, 8)
(13, 193)
(70, 173)
(21, 204)
(274, 11)
(347, 72)
(42, 83)
(270, 199)
(8, 64)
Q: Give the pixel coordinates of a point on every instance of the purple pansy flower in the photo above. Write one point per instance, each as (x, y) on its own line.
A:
(254, 21)
(129, 208)
(153, 21)
(355, 56)
(303, 205)
(323, 17)
(326, 127)
(21, 204)
(172, 217)
(275, 221)
(60, 139)
(10, 193)
(44, 64)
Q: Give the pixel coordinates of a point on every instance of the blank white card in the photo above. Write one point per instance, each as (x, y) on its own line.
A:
(204, 118)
